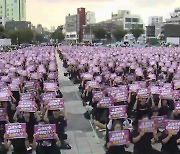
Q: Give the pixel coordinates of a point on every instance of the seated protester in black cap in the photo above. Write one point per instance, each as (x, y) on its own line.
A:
(50, 146)
(170, 142)
(164, 109)
(61, 123)
(19, 145)
(30, 119)
(116, 149)
(142, 140)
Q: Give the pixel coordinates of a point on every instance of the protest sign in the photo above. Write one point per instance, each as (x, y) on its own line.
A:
(117, 112)
(27, 96)
(121, 96)
(50, 86)
(160, 121)
(45, 131)
(47, 96)
(105, 102)
(143, 93)
(172, 126)
(134, 87)
(147, 125)
(26, 106)
(5, 96)
(55, 104)
(177, 105)
(119, 137)
(97, 95)
(154, 90)
(15, 130)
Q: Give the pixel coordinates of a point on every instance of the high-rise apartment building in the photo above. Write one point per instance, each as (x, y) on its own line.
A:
(13, 9)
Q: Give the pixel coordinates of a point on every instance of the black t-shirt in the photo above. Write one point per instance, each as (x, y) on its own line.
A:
(60, 125)
(171, 146)
(29, 126)
(164, 110)
(2, 130)
(142, 110)
(19, 146)
(144, 144)
(47, 147)
(116, 149)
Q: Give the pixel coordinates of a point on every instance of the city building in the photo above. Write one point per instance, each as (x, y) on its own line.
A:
(125, 19)
(171, 27)
(82, 21)
(175, 17)
(154, 25)
(153, 20)
(150, 31)
(13, 9)
(39, 29)
(2, 21)
(15, 25)
(72, 28)
(90, 17)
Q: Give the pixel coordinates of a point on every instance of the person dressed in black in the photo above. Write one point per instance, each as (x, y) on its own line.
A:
(19, 145)
(170, 142)
(30, 119)
(61, 123)
(142, 140)
(50, 146)
(116, 149)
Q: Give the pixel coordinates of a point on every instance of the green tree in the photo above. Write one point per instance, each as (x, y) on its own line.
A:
(137, 32)
(39, 38)
(58, 35)
(13, 35)
(25, 36)
(99, 32)
(119, 34)
(3, 33)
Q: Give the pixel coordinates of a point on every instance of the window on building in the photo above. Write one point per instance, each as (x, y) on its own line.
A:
(127, 19)
(0, 23)
(135, 20)
(128, 26)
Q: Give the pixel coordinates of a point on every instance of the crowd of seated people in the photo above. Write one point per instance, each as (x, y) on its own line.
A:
(29, 96)
(144, 80)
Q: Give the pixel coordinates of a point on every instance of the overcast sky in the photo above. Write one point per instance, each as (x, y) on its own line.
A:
(52, 12)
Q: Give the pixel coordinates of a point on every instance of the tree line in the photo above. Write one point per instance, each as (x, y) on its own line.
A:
(29, 36)
(119, 33)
